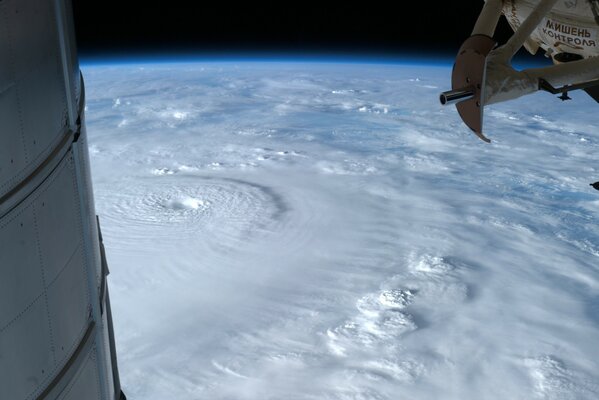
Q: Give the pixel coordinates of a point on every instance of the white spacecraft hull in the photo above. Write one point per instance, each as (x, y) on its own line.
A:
(567, 31)
(56, 338)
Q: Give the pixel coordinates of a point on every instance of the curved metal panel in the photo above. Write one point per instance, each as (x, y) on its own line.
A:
(45, 296)
(26, 358)
(59, 219)
(55, 336)
(32, 88)
(21, 283)
(85, 385)
(68, 307)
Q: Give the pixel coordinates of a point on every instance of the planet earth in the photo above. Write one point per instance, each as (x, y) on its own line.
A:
(327, 230)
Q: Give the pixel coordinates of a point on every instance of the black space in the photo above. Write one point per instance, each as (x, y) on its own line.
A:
(134, 27)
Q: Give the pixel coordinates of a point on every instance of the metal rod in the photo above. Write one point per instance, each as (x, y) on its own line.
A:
(526, 29)
(456, 96)
(504, 83)
(547, 87)
(488, 18)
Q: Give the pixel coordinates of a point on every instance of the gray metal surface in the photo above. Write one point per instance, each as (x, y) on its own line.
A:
(56, 339)
(85, 385)
(32, 88)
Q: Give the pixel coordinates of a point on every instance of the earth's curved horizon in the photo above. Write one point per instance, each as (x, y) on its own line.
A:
(308, 230)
